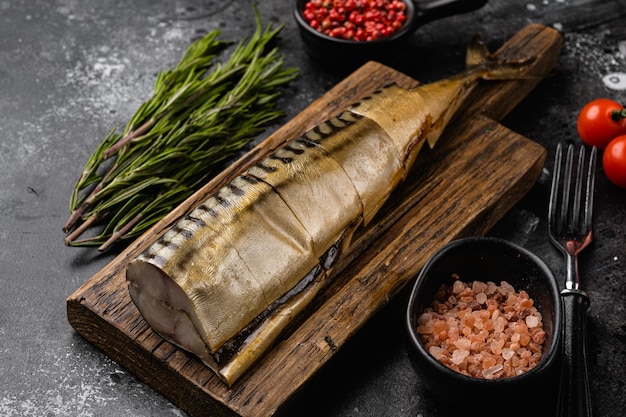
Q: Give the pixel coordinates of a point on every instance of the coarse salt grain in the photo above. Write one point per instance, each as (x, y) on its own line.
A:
(479, 286)
(532, 321)
(491, 372)
(463, 343)
(436, 351)
(507, 354)
(506, 288)
(489, 362)
(459, 355)
(481, 297)
(457, 287)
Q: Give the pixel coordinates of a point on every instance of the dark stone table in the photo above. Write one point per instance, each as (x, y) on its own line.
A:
(71, 71)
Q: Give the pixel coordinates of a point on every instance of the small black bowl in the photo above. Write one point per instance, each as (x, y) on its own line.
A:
(342, 52)
(487, 259)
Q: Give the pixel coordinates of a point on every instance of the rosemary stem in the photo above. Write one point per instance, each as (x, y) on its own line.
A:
(120, 232)
(88, 202)
(127, 138)
(69, 239)
(75, 217)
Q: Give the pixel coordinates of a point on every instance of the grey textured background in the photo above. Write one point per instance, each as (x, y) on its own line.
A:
(72, 70)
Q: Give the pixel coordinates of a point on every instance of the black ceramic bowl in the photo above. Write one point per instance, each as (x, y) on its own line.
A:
(342, 52)
(487, 259)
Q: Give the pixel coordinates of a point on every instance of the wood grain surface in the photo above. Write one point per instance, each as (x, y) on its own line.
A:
(477, 172)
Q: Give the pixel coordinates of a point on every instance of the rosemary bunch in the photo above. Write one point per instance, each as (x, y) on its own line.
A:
(201, 113)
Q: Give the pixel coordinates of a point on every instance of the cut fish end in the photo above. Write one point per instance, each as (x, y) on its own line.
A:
(166, 308)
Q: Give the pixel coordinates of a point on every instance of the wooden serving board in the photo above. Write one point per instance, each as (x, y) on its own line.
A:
(477, 172)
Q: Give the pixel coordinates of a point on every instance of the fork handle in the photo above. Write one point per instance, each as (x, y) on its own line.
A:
(574, 396)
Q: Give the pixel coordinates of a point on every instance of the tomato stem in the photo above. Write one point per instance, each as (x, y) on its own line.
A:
(618, 115)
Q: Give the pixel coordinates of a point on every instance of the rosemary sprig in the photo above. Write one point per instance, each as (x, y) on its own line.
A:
(201, 113)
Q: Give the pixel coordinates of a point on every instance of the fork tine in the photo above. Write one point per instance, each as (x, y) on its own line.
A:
(576, 222)
(590, 189)
(556, 175)
(564, 218)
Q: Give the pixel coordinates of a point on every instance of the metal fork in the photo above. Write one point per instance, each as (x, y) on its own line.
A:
(570, 215)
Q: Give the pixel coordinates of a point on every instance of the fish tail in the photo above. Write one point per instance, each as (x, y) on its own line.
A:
(490, 67)
(445, 97)
(477, 53)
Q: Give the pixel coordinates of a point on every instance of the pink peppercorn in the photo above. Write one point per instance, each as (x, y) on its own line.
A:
(360, 20)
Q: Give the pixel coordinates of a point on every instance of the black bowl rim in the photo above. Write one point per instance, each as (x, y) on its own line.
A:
(407, 28)
(548, 357)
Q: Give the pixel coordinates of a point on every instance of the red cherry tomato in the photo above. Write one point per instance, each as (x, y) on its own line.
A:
(600, 121)
(614, 161)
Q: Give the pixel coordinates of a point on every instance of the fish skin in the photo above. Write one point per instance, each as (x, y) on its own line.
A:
(316, 189)
(405, 124)
(215, 271)
(352, 148)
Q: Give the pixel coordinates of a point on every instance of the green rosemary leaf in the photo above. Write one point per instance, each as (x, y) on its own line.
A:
(89, 175)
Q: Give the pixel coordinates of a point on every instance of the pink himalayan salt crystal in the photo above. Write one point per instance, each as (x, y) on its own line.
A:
(436, 351)
(490, 373)
(539, 336)
(463, 344)
(507, 354)
(424, 318)
(457, 287)
(532, 321)
(459, 355)
(481, 297)
(499, 324)
(506, 288)
(496, 346)
(479, 287)
(489, 362)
